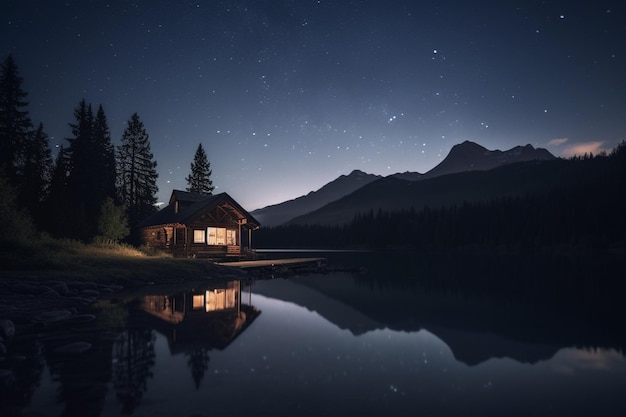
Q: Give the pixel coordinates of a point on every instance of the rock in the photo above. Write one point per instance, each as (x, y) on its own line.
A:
(60, 287)
(51, 317)
(7, 328)
(90, 293)
(73, 348)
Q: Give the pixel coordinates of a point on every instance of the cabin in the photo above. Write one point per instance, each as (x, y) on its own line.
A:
(200, 226)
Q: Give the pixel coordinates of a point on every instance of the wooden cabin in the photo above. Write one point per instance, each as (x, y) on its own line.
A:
(200, 226)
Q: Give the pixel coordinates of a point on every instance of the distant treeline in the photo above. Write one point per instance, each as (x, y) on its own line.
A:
(590, 213)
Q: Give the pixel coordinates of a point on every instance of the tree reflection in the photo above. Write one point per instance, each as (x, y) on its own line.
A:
(16, 391)
(133, 360)
(198, 362)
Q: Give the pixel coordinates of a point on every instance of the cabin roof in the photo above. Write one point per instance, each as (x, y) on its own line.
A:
(195, 205)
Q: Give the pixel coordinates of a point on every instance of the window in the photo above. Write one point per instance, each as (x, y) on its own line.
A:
(231, 237)
(221, 236)
(198, 236)
(197, 301)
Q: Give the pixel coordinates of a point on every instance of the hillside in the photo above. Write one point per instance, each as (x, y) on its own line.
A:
(394, 194)
(345, 184)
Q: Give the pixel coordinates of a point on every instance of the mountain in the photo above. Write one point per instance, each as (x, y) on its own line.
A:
(470, 156)
(394, 194)
(470, 172)
(464, 157)
(345, 184)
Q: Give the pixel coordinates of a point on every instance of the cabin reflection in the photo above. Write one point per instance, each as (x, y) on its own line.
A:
(211, 316)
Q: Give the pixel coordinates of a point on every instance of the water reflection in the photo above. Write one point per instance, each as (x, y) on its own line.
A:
(324, 345)
(133, 360)
(211, 316)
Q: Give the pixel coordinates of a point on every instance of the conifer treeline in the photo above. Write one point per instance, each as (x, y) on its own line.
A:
(88, 179)
(588, 214)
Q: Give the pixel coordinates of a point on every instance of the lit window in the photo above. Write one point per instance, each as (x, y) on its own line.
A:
(231, 237)
(212, 235)
(221, 236)
(217, 236)
(198, 236)
(197, 301)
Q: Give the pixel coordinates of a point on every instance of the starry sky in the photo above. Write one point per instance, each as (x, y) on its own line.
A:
(285, 96)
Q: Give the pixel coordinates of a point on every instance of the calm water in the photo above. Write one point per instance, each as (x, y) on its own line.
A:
(340, 343)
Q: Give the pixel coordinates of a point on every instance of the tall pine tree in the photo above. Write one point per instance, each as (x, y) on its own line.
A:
(104, 172)
(25, 157)
(59, 203)
(199, 180)
(37, 170)
(137, 173)
(92, 173)
(15, 123)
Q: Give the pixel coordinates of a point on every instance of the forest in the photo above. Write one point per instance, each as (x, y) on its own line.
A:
(90, 190)
(587, 214)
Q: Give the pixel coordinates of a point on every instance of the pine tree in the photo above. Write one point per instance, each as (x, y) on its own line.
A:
(37, 170)
(58, 202)
(137, 173)
(84, 207)
(104, 171)
(80, 149)
(92, 174)
(25, 157)
(199, 180)
(15, 123)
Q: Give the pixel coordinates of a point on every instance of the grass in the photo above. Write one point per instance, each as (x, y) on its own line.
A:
(101, 261)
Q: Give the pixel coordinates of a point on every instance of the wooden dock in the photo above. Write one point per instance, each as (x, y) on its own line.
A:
(276, 263)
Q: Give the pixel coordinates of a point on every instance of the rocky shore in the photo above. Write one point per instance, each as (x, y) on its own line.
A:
(35, 302)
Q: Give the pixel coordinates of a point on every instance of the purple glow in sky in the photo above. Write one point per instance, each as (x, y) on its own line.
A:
(285, 96)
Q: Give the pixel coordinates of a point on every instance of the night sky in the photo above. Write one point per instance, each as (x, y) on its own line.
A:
(285, 96)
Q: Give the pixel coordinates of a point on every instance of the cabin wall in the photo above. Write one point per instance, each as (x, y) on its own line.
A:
(225, 239)
(157, 237)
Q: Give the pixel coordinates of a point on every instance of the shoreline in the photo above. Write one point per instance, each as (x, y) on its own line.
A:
(25, 294)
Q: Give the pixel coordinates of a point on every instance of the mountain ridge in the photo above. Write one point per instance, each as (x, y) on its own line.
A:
(464, 157)
(279, 213)
(470, 156)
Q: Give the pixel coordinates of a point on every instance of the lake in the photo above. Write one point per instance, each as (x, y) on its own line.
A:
(392, 334)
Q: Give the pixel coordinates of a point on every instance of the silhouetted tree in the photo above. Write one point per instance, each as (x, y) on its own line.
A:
(15, 123)
(137, 173)
(92, 174)
(82, 156)
(199, 180)
(104, 171)
(36, 172)
(58, 202)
